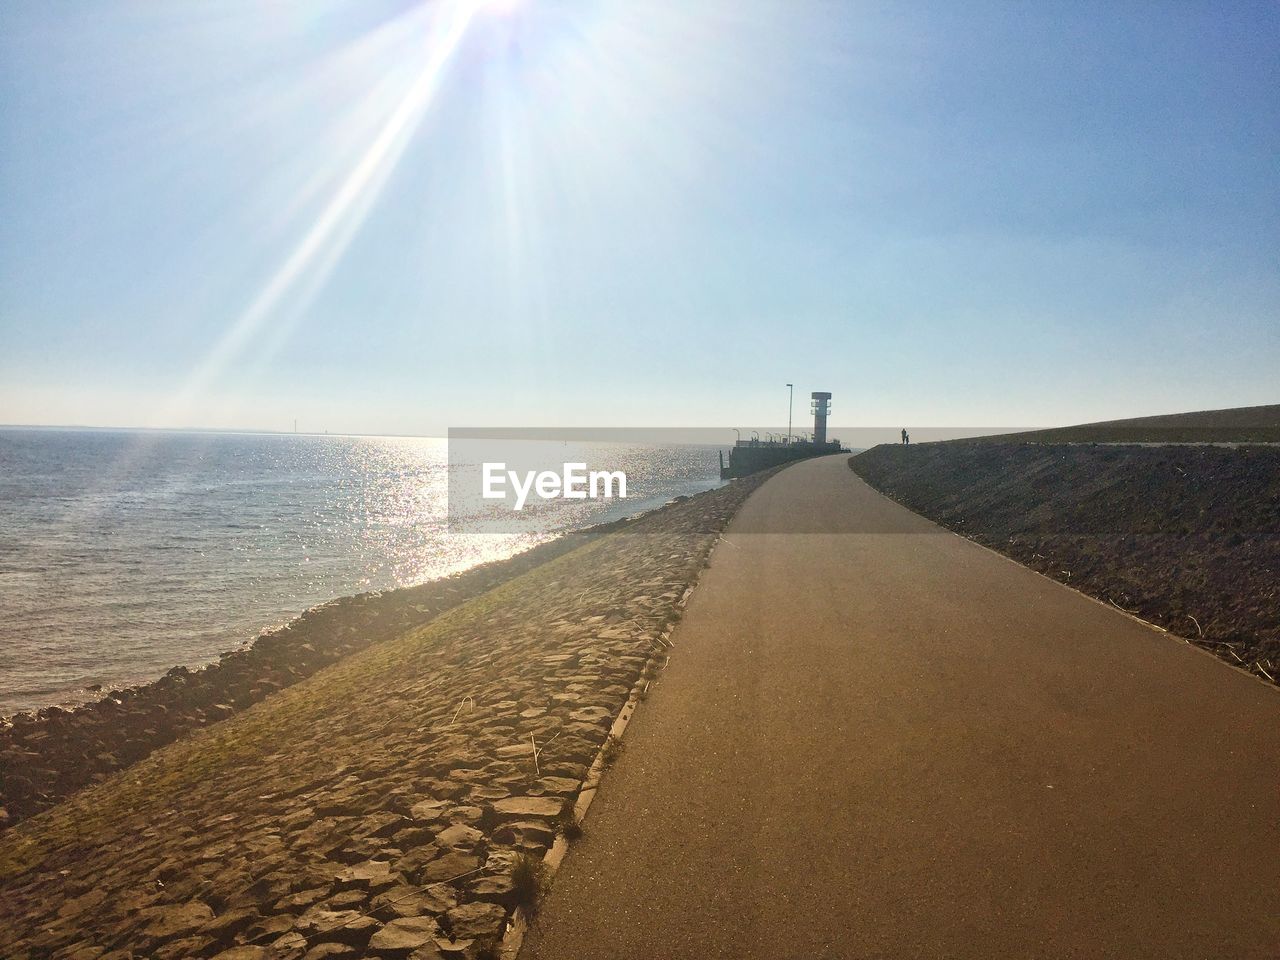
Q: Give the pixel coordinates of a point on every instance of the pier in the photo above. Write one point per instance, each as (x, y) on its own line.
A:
(752, 455)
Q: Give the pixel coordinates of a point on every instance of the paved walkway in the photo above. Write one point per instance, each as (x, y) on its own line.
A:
(876, 739)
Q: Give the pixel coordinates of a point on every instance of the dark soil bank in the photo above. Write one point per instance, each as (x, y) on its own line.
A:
(1186, 537)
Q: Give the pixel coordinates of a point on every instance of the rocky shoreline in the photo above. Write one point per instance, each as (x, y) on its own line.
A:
(378, 807)
(47, 755)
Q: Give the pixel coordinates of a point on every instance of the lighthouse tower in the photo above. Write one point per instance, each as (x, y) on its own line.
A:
(821, 406)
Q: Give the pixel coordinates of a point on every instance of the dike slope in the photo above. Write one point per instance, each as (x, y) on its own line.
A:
(1186, 537)
(49, 754)
(375, 809)
(1231, 425)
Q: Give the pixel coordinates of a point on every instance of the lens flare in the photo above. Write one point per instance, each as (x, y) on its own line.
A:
(321, 247)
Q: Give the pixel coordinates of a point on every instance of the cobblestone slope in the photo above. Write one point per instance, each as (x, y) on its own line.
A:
(374, 809)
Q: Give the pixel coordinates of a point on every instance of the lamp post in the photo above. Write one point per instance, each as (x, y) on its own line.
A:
(790, 393)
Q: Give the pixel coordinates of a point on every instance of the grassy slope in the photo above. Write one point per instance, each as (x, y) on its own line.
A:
(1185, 536)
(1233, 425)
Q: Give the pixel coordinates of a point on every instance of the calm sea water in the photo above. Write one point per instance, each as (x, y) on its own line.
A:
(124, 553)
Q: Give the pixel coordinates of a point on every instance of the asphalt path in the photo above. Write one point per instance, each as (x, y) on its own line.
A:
(876, 739)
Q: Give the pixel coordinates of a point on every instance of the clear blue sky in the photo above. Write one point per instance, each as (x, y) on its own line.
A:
(397, 217)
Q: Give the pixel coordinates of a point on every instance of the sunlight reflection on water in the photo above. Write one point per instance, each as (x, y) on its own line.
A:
(123, 553)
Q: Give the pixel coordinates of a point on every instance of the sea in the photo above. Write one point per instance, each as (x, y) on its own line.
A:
(124, 553)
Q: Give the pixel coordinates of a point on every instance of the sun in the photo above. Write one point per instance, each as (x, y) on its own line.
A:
(497, 7)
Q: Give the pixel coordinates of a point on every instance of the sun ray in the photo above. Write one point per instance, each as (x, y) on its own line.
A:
(321, 247)
(301, 275)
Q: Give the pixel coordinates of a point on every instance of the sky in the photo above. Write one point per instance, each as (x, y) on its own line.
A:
(394, 217)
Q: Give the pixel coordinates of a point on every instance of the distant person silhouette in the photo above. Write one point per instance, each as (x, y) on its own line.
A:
(906, 438)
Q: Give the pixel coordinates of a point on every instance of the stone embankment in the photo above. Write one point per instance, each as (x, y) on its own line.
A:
(1186, 537)
(48, 755)
(377, 808)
